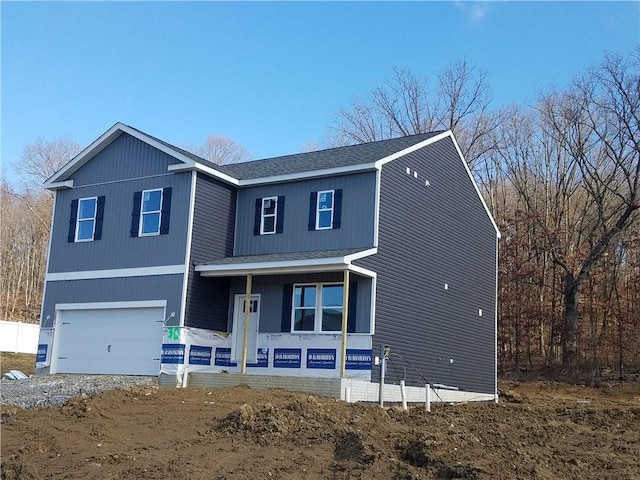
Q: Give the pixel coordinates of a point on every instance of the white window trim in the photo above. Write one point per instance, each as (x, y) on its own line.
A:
(317, 325)
(143, 213)
(93, 219)
(274, 215)
(333, 205)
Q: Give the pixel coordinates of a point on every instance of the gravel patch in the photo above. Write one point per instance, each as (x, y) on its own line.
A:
(56, 390)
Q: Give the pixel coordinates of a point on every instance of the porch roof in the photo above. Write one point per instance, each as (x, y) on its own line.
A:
(296, 262)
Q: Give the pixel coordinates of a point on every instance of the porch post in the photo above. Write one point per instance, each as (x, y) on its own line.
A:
(345, 311)
(247, 311)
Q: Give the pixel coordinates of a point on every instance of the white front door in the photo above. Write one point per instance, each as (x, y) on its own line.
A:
(238, 329)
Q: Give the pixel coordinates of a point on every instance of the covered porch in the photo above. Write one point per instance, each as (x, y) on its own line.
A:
(310, 315)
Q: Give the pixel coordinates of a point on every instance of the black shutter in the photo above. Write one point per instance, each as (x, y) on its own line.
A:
(97, 234)
(337, 208)
(287, 299)
(165, 216)
(135, 216)
(353, 298)
(257, 216)
(280, 215)
(73, 216)
(313, 204)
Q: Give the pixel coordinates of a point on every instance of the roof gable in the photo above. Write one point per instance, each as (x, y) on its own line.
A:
(61, 179)
(290, 167)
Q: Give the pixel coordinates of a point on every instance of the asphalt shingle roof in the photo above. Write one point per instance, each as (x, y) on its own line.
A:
(323, 159)
(283, 257)
(350, 155)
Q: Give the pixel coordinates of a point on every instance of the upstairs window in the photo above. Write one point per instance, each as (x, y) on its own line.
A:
(325, 210)
(317, 308)
(269, 216)
(151, 212)
(324, 217)
(85, 219)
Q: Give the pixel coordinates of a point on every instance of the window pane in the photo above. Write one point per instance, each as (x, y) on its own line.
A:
(331, 319)
(268, 206)
(269, 224)
(151, 201)
(304, 319)
(87, 208)
(305, 296)
(325, 200)
(85, 230)
(324, 219)
(150, 223)
(332, 296)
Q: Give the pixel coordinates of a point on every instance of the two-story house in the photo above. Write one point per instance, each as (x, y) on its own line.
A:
(155, 254)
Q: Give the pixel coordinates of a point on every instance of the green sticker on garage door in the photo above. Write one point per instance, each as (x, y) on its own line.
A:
(173, 333)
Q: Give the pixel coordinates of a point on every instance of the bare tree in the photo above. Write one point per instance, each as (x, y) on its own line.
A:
(25, 213)
(405, 105)
(575, 163)
(42, 158)
(603, 138)
(220, 150)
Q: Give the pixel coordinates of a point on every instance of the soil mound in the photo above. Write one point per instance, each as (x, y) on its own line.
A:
(539, 431)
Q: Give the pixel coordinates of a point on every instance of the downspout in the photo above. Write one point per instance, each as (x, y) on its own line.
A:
(345, 312)
(247, 310)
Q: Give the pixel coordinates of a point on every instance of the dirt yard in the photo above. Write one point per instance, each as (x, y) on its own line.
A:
(537, 431)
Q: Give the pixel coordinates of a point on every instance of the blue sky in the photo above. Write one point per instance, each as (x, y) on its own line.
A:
(271, 75)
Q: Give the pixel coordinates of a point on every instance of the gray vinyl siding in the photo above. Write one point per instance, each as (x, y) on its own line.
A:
(271, 289)
(117, 249)
(430, 236)
(157, 287)
(357, 225)
(125, 158)
(212, 237)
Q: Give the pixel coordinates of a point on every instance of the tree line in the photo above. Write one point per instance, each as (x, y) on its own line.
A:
(561, 178)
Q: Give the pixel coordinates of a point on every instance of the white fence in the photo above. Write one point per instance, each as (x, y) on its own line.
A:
(19, 337)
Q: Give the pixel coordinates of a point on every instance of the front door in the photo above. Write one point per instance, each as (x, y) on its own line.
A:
(238, 329)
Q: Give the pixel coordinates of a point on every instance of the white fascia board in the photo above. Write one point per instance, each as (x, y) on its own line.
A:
(110, 305)
(59, 185)
(327, 172)
(412, 148)
(362, 271)
(116, 273)
(242, 270)
(267, 268)
(473, 181)
(359, 255)
(199, 167)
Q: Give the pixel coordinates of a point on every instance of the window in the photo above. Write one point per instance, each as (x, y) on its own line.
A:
(269, 214)
(85, 219)
(317, 308)
(325, 210)
(324, 217)
(151, 212)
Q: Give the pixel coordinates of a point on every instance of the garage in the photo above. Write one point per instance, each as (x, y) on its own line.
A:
(125, 340)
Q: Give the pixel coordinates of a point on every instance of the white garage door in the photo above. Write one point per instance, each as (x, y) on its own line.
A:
(125, 341)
